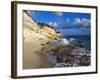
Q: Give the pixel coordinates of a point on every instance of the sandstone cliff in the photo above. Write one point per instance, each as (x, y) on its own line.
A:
(34, 38)
(43, 30)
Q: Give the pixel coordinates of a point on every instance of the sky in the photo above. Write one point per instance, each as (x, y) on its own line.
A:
(68, 23)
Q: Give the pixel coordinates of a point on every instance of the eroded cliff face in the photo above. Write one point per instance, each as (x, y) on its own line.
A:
(44, 30)
(49, 32)
(32, 43)
(31, 29)
(29, 23)
(35, 37)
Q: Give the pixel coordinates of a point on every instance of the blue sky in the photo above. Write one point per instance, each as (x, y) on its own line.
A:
(67, 23)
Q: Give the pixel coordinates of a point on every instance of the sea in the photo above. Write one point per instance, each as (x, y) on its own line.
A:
(80, 40)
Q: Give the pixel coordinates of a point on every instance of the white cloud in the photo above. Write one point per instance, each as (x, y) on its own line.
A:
(86, 22)
(81, 22)
(58, 13)
(77, 21)
(53, 24)
(50, 23)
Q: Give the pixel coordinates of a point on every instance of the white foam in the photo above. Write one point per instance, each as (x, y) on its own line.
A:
(64, 41)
